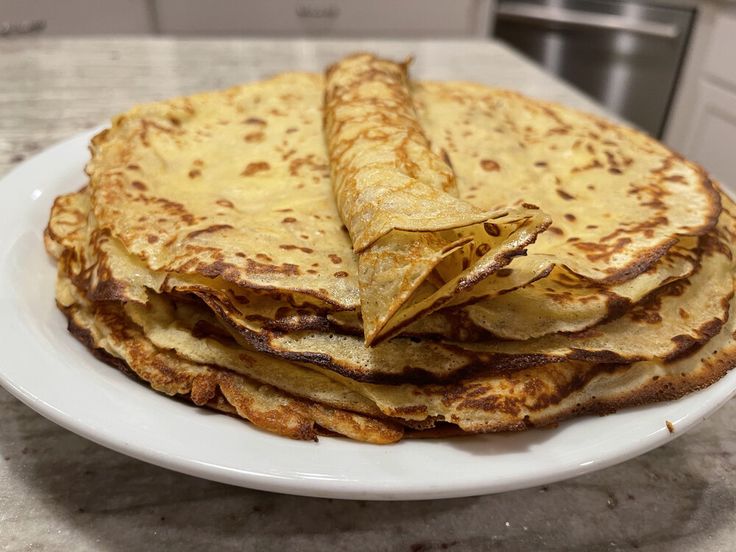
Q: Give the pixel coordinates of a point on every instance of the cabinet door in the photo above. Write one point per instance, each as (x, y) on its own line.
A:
(712, 138)
(720, 63)
(399, 18)
(75, 17)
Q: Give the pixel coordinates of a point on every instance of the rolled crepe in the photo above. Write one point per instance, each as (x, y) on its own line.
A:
(419, 247)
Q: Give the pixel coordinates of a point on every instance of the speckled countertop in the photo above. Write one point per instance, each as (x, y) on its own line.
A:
(59, 491)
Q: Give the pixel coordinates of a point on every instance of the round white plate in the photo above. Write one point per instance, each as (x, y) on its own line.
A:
(46, 368)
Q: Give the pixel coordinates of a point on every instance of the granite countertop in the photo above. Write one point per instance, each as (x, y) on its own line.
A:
(59, 491)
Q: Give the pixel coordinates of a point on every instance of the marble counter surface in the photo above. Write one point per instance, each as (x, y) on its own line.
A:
(59, 491)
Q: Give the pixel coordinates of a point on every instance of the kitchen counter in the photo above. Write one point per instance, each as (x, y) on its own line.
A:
(59, 491)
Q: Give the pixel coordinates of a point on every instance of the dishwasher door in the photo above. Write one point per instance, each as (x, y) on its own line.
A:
(626, 55)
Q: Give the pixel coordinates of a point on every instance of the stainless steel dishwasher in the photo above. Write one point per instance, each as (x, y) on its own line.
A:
(625, 54)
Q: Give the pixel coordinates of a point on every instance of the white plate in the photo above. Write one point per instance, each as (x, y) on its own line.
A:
(53, 374)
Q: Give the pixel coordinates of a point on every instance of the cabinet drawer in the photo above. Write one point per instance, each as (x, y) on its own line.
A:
(74, 17)
(713, 133)
(720, 63)
(428, 18)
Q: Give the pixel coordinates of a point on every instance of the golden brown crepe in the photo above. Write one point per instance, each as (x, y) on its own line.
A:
(208, 255)
(178, 347)
(418, 244)
(105, 329)
(618, 198)
(200, 235)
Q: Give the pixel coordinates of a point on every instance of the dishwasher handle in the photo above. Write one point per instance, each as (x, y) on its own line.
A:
(562, 16)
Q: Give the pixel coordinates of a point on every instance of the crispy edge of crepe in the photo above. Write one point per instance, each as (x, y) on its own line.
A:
(468, 93)
(346, 355)
(545, 395)
(534, 397)
(458, 360)
(530, 398)
(107, 263)
(670, 381)
(122, 344)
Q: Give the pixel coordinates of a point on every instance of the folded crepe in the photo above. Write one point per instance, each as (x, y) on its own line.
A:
(418, 245)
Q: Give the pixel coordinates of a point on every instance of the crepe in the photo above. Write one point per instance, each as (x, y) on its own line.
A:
(618, 198)
(104, 328)
(655, 329)
(563, 302)
(399, 201)
(204, 229)
(368, 265)
(178, 349)
(532, 397)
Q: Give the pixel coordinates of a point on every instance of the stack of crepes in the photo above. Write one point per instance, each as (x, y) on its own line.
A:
(364, 255)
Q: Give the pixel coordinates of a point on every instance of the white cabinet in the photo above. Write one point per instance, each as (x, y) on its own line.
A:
(288, 18)
(702, 125)
(396, 18)
(712, 137)
(75, 17)
(720, 58)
